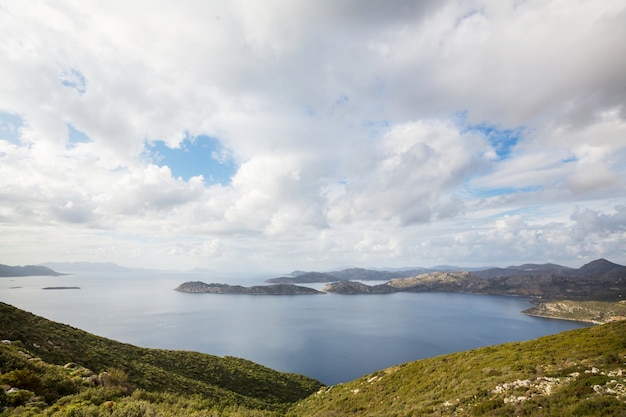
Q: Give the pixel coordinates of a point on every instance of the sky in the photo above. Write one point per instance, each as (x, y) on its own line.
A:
(267, 136)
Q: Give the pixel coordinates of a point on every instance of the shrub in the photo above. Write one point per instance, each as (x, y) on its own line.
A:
(22, 378)
(18, 397)
(602, 406)
(486, 406)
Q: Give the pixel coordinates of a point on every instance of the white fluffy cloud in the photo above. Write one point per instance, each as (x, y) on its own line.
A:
(360, 132)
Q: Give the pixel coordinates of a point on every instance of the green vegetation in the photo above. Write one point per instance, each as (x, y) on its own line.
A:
(49, 369)
(575, 373)
(589, 311)
(52, 361)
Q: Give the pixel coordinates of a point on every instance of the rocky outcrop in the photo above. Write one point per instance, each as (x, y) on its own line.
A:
(590, 311)
(278, 289)
(431, 282)
(351, 287)
(440, 281)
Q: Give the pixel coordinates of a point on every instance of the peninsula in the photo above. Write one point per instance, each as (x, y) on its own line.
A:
(278, 289)
(27, 271)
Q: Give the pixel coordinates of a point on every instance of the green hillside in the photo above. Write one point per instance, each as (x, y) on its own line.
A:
(576, 373)
(220, 382)
(52, 369)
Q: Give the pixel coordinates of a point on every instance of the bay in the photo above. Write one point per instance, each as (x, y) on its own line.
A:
(333, 338)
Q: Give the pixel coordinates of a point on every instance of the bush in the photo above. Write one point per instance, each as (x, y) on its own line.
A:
(115, 378)
(18, 397)
(583, 386)
(486, 406)
(22, 378)
(134, 409)
(602, 406)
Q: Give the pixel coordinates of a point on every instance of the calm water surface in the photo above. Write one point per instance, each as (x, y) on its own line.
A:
(333, 338)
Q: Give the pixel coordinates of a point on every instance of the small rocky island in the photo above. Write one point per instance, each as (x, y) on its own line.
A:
(279, 289)
(61, 288)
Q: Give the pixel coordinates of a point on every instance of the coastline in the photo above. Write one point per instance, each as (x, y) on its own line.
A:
(594, 312)
(580, 320)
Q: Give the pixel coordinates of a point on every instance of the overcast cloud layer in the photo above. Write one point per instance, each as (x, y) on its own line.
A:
(361, 133)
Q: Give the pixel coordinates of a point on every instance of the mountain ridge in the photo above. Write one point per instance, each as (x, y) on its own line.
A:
(549, 286)
(7, 271)
(600, 268)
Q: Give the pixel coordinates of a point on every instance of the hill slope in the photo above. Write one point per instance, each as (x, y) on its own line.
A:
(575, 373)
(226, 381)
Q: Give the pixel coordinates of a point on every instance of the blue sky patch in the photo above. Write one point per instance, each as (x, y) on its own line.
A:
(73, 78)
(75, 136)
(10, 125)
(502, 140)
(494, 192)
(200, 155)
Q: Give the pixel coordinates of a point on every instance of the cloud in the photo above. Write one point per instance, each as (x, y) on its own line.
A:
(594, 223)
(412, 174)
(354, 132)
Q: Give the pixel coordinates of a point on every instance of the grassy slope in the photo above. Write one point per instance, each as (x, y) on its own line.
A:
(227, 380)
(581, 372)
(464, 383)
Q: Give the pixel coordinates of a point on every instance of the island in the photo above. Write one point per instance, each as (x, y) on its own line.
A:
(61, 288)
(593, 293)
(27, 271)
(278, 289)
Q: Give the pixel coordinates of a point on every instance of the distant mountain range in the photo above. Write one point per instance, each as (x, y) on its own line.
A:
(88, 267)
(350, 274)
(51, 268)
(598, 269)
(26, 271)
(597, 280)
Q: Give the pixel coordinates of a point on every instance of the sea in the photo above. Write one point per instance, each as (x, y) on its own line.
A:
(331, 337)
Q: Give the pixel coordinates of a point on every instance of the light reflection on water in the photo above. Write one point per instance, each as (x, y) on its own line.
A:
(333, 338)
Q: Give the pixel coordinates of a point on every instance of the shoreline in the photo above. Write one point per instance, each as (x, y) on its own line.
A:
(580, 320)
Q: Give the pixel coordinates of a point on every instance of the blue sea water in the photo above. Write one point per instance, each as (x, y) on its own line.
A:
(333, 338)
